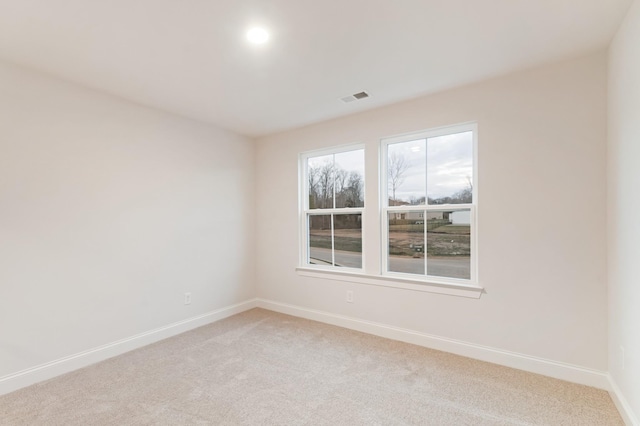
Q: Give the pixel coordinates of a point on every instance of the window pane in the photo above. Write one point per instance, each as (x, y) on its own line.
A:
(347, 240)
(449, 244)
(349, 179)
(320, 240)
(320, 181)
(406, 173)
(406, 242)
(335, 238)
(450, 168)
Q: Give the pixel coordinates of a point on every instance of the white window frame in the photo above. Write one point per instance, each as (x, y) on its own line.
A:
(385, 209)
(305, 212)
(375, 273)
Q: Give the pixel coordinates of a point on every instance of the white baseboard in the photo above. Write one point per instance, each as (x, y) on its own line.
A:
(630, 419)
(64, 365)
(558, 370)
(563, 371)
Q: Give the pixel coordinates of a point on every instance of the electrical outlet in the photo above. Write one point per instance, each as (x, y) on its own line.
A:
(187, 298)
(349, 296)
(622, 357)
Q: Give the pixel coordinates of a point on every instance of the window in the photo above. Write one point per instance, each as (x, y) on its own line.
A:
(333, 205)
(428, 214)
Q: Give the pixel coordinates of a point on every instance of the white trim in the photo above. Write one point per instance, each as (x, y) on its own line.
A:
(332, 150)
(403, 281)
(303, 204)
(385, 209)
(546, 367)
(337, 211)
(559, 370)
(20, 379)
(429, 207)
(621, 403)
(433, 132)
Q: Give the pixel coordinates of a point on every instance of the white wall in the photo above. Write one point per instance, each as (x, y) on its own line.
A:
(624, 208)
(542, 146)
(109, 213)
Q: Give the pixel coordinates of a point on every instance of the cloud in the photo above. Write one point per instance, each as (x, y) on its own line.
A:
(444, 167)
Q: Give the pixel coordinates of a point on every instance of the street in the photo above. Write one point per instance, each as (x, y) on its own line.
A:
(453, 267)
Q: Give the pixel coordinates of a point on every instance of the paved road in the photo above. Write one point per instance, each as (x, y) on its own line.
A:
(454, 267)
(350, 259)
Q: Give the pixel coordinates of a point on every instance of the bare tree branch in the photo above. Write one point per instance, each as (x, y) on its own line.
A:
(397, 168)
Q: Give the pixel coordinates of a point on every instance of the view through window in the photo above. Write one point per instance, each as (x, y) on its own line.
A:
(430, 210)
(334, 207)
(427, 206)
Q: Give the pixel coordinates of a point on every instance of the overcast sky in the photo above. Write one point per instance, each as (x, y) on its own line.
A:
(448, 159)
(351, 161)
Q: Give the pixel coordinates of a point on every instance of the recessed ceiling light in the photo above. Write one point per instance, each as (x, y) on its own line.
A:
(257, 35)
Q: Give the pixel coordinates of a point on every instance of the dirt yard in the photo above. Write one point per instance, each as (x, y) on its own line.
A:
(448, 240)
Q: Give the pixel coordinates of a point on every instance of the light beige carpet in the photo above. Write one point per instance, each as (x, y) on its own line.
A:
(264, 368)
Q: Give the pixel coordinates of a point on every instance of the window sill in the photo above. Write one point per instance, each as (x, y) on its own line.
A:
(431, 286)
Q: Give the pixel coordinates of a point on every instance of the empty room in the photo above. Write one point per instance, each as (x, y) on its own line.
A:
(349, 212)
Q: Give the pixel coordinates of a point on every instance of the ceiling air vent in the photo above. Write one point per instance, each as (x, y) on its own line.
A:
(354, 97)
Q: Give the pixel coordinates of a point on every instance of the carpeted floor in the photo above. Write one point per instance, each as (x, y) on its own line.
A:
(264, 368)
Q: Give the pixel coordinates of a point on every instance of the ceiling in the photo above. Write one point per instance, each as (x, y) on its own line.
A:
(191, 57)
